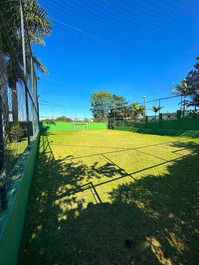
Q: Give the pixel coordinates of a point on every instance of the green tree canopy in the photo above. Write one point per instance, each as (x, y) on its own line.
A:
(193, 78)
(189, 88)
(136, 111)
(155, 109)
(102, 102)
(37, 25)
(63, 118)
(193, 85)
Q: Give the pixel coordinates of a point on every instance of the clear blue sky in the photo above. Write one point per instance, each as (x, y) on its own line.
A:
(132, 48)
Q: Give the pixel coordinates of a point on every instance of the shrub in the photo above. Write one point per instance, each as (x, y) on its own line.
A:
(16, 133)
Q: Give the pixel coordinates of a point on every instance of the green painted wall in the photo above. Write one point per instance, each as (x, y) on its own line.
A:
(163, 127)
(58, 126)
(68, 126)
(12, 219)
(188, 124)
(177, 132)
(97, 125)
(184, 124)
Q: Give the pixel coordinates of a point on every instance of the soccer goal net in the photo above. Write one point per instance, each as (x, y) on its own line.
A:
(80, 126)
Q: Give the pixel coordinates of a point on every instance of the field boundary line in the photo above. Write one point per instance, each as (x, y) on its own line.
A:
(87, 146)
(126, 174)
(79, 189)
(122, 150)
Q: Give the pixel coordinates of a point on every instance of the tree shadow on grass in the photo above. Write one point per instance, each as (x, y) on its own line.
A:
(151, 221)
(171, 203)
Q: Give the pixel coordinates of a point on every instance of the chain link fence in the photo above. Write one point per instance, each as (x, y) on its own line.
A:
(19, 116)
(166, 113)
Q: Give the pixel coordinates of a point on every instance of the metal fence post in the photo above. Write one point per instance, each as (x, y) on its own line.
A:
(27, 115)
(24, 65)
(146, 121)
(160, 120)
(37, 100)
(179, 114)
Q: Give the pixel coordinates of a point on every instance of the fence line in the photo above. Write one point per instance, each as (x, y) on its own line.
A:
(19, 113)
(187, 120)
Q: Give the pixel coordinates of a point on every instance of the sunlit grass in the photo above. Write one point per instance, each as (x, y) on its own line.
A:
(111, 197)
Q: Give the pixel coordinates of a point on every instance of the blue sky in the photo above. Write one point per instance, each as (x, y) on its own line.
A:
(130, 48)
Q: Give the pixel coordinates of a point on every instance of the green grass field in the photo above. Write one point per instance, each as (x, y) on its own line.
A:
(113, 198)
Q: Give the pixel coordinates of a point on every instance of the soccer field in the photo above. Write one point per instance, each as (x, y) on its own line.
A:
(113, 197)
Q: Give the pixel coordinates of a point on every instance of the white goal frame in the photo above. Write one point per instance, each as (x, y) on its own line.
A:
(84, 124)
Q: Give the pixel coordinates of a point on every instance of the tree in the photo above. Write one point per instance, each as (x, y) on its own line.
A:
(101, 103)
(120, 109)
(136, 111)
(189, 88)
(37, 25)
(105, 104)
(193, 78)
(63, 119)
(48, 120)
(183, 91)
(193, 85)
(194, 101)
(156, 109)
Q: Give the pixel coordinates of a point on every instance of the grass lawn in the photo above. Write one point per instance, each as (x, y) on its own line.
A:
(113, 198)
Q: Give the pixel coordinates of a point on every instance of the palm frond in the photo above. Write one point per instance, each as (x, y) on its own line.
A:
(182, 89)
(36, 40)
(37, 18)
(156, 109)
(40, 66)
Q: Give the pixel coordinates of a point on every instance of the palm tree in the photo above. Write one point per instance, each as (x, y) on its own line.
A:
(37, 26)
(156, 109)
(183, 91)
(136, 111)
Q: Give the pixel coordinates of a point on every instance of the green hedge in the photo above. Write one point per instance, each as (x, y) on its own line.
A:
(12, 219)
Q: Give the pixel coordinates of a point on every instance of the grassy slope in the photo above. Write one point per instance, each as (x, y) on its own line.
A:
(93, 190)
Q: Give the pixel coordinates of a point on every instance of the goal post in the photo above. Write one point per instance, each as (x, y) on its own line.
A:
(80, 126)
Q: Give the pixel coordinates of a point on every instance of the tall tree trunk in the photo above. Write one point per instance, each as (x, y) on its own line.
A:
(15, 110)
